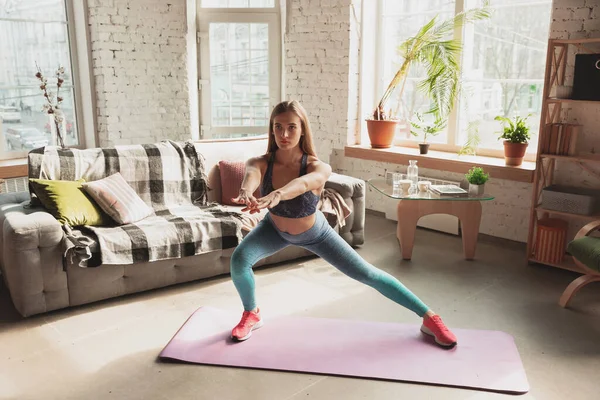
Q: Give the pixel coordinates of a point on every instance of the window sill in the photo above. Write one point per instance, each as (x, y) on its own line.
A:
(444, 161)
(14, 168)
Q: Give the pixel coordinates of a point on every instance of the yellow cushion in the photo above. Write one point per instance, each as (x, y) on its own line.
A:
(68, 202)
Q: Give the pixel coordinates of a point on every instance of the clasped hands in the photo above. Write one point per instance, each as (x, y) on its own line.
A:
(254, 205)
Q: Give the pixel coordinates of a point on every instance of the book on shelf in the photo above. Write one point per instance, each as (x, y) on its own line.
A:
(560, 139)
(448, 191)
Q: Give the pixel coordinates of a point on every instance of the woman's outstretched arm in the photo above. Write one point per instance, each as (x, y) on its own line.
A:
(251, 182)
(253, 175)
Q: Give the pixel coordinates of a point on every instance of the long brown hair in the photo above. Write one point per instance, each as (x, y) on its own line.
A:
(306, 140)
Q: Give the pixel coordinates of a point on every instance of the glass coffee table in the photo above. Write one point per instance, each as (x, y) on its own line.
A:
(414, 205)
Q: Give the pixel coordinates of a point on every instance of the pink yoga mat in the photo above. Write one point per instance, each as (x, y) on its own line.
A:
(486, 360)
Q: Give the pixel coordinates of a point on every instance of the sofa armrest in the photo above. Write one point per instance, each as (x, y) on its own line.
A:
(14, 198)
(32, 259)
(353, 191)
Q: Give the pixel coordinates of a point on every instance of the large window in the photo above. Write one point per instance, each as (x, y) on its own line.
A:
(503, 65)
(239, 66)
(35, 32)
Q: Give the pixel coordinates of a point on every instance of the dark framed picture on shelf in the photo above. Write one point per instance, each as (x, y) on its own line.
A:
(586, 77)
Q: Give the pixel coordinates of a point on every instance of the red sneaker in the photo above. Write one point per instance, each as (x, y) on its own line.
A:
(249, 322)
(434, 326)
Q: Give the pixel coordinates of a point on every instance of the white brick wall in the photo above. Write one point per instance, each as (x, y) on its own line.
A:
(321, 62)
(575, 19)
(139, 65)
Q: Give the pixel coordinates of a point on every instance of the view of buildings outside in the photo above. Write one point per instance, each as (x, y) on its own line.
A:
(32, 32)
(503, 63)
(239, 74)
(239, 71)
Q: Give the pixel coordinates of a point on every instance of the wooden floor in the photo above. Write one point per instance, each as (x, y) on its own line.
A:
(108, 350)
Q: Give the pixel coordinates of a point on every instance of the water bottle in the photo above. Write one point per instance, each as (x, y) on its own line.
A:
(413, 173)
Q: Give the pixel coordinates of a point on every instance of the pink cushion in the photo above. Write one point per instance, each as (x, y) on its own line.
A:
(232, 175)
(114, 195)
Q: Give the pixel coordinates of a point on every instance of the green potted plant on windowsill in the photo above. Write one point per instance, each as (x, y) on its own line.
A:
(420, 126)
(477, 178)
(516, 139)
(433, 48)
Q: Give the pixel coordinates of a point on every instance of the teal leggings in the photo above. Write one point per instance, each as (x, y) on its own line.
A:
(265, 239)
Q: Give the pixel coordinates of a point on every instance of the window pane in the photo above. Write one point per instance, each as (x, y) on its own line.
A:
(25, 43)
(503, 69)
(69, 126)
(239, 74)
(25, 127)
(259, 36)
(401, 20)
(262, 3)
(417, 7)
(238, 3)
(48, 10)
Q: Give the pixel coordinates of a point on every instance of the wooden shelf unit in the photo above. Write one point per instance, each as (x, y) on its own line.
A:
(575, 41)
(588, 158)
(554, 100)
(567, 214)
(556, 63)
(567, 264)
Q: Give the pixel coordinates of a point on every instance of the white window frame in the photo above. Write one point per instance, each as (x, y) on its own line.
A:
(84, 98)
(206, 16)
(378, 85)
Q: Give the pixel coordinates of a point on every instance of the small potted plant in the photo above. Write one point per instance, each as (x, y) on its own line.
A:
(516, 139)
(477, 178)
(432, 129)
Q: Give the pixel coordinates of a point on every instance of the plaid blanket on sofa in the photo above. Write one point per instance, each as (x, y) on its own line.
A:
(169, 177)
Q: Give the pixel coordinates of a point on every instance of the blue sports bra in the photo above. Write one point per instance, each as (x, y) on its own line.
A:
(298, 207)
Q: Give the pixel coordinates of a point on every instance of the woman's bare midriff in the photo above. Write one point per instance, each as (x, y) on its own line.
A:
(294, 226)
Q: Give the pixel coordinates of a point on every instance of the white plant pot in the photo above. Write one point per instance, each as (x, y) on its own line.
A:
(476, 190)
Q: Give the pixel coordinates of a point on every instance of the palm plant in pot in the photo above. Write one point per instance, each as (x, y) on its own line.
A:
(427, 129)
(439, 54)
(516, 139)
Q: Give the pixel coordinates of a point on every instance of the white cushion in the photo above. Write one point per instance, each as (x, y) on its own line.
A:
(114, 195)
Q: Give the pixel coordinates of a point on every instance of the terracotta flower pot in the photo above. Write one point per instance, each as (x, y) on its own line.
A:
(514, 153)
(381, 133)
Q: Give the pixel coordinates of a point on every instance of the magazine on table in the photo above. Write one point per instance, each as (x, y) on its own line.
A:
(448, 191)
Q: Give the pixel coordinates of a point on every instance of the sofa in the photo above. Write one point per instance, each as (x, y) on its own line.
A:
(40, 279)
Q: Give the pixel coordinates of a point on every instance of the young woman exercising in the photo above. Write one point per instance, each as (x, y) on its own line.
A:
(292, 179)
